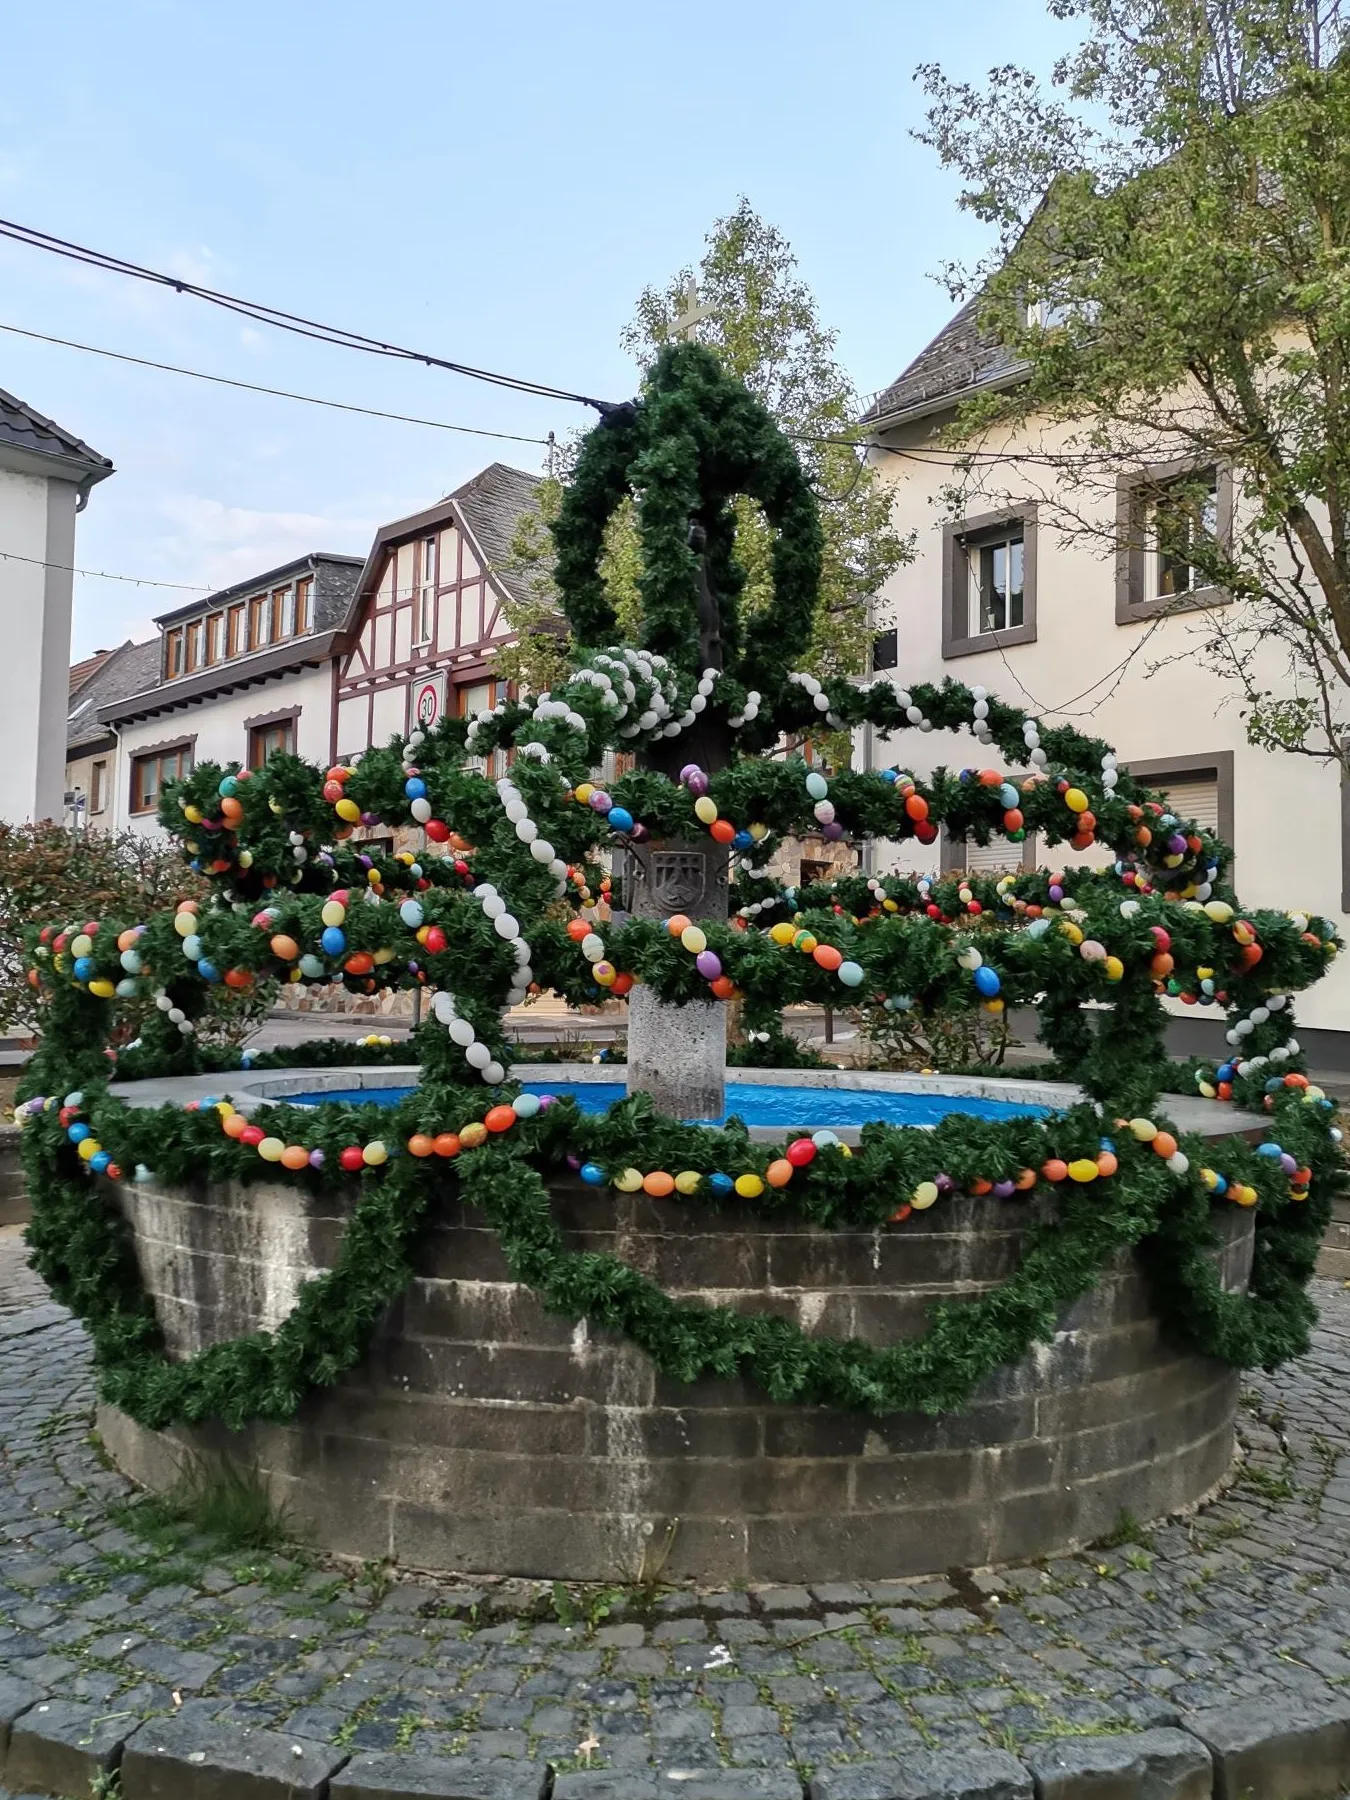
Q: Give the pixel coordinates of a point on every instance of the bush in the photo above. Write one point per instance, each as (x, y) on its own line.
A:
(50, 873)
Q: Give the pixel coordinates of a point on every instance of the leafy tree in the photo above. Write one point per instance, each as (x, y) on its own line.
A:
(1172, 270)
(763, 324)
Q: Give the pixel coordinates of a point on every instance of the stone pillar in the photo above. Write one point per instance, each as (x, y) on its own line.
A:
(678, 1054)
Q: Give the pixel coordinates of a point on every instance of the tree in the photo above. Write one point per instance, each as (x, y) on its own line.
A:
(763, 325)
(1172, 271)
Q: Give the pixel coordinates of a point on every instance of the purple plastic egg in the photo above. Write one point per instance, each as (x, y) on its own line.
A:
(688, 772)
(1056, 893)
(573, 1162)
(1288, 1163)
(708, 964)
(1176, 843)
(546, 1100)
(316, 1159)
(834, 830)
(1004, 1190)
(944, 1184)
(638, 832)
(697, 783)
(600, 801)
(365, 862)
(370, 818)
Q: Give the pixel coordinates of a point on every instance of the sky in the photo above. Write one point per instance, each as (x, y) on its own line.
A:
(493, 184)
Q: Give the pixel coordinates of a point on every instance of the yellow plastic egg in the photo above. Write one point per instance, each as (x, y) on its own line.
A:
(583, 793)
(103, 989)
(924, 1196)
(782, 933)
(185, 923)
(376, 1153)
(1218, 910)
(334, 912)
(87, 1148)
(758, 832)
(749, 1186)
(1113, 968)
(193, 814)
(471, 1135)
(628, 1181)
(1083, 1168)
(270, 1149)
(1076, 800)
(83, 945)
(705, 808)
(1144, 1130)
(688, 1181)
(347, 809)
(694, 939)
(1071, 931)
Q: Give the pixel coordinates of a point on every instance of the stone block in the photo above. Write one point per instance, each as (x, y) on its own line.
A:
(189, 1759)
(58, 1747)
(928, 1775)
(1144, 1765)
(16, 1698)
(1288, 1749)
(675, 1783)
(385, 1775)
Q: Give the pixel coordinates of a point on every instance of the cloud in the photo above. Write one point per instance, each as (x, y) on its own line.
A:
(222, 544)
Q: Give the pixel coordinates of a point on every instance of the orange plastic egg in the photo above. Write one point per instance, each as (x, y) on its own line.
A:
(295, 1156)
(419, 1144)
(659, 1183)
(499, 1118)
(779, 1172)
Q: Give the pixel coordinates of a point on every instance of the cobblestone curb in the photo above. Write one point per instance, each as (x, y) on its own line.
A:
(1200, 1660)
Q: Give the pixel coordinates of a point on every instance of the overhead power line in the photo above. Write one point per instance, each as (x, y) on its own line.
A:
(254, 387)
(183, 587)
(276, 316)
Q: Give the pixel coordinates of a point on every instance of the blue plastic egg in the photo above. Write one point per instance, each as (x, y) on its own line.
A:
(411, 914)
(987, 981)
(741, 841)
(415, 788)
(313, 967)
(1225, 1072)
(593, 1174)
(890, 775)
(99, 1161)
(208, 970)
(192, 946)
(620, 819)
(334, 941)
(85, 968)
(720, 1183)
(77, 1132)
(850, 973)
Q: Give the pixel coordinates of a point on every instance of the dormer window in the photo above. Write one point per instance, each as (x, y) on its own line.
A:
(194, 639)
(173, 654)
(259, 621)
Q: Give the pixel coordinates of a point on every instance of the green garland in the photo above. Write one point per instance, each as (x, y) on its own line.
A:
(502, 900)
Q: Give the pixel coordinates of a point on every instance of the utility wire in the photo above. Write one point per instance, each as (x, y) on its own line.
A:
(183, 587)
(254, 387)
(297, 323)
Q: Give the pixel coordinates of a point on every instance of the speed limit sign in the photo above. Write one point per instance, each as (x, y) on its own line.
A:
(428, 701)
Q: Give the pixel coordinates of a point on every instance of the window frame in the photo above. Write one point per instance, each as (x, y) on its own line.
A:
(1137, 496)
(890, 639)
(173, 653)
(158, 754)
(424, 617)
(98, 786)
(194, 644)
(213, 642)
(959, 538)
(236, 629)
(259, 614)
(257, 741)
(1157, 771)
(304, 604)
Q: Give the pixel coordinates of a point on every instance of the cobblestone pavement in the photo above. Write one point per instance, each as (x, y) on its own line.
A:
(102, 1600)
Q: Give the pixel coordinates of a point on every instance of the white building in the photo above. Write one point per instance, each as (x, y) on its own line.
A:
(1047, 619)
(231, 678)
(46, 475)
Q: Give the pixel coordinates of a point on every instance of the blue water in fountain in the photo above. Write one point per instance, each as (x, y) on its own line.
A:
(757, 1104)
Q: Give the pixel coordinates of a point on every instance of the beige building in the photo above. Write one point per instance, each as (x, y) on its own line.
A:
(1061, 617)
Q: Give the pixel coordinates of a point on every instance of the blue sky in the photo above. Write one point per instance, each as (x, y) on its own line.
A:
(494, 184)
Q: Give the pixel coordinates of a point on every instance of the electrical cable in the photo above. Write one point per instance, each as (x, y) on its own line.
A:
(282, 320)
(254, 387)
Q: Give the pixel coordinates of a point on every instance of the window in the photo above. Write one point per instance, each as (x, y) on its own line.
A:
(304, 592)
(150, 772)
(98, 787)
(283, 613)
(265, 741)
(996, 857)
(215, 637)
(194, 636)
(424, 622)
(1199, 788)
(1184, 520)
(989, 582)
(997, 572)
(236, 630)
(1164, 517)
(259, 622)
(173, 654)
(474, 698)
(886, 649)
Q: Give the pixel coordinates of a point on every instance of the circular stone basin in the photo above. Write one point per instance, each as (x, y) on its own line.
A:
(759, 1103)
(484, 1435)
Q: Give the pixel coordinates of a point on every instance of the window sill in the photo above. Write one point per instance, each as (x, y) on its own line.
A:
(1130, 612)
(988, 640)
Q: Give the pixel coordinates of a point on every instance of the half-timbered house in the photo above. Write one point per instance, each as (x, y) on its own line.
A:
(430, 613)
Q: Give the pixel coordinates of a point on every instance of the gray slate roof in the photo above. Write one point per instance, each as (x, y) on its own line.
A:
(491, 505)
(961, 357)
(127, 670)
(29, 430)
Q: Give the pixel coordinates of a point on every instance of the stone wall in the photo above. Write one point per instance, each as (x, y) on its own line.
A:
(483, 1434)
(13, 1195)
(1333, 1259)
